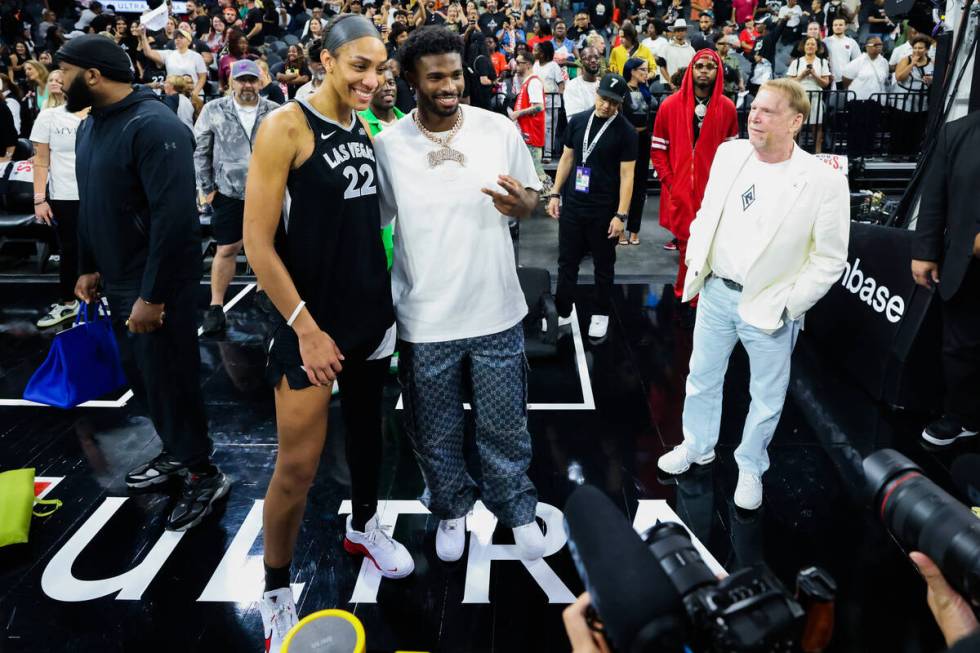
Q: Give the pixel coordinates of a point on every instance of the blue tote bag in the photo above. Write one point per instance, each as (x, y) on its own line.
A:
(83, 363)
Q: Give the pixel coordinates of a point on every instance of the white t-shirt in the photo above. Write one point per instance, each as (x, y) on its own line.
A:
(185, 110)
(751, 202)
(57, 128)
(655, 46)
(867, 76)
(247, 116)
(190, 63)
(305, 91)
(454, 274)
(535, 91)
(904, 50)
(579, 95)
(841, 51)
(792, 14)
(550, 75)
(14, 107)
(820, 68)
(677, 56)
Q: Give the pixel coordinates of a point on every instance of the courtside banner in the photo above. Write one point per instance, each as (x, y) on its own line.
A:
(877, 325)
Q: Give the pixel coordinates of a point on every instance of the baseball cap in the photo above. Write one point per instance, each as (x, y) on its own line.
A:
(244, 68)
(613, 87)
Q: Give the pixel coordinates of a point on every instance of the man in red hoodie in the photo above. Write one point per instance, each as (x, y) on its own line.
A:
(690, 126)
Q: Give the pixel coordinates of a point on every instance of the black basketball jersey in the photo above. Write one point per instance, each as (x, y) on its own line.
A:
(332, 244)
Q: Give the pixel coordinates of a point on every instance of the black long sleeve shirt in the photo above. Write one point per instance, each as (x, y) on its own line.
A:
(138, 224)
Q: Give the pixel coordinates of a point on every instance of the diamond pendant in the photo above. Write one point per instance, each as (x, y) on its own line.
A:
(700, 111)
(446, 153)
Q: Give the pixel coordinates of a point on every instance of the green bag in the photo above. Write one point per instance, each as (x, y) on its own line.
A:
(17, 503)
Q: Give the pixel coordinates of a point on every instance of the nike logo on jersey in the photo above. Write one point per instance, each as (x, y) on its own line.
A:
(326, 136)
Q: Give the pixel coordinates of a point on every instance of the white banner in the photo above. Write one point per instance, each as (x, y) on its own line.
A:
(139, 6)
(835, 161)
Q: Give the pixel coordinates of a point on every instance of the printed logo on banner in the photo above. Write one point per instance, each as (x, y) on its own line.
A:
(878, 296)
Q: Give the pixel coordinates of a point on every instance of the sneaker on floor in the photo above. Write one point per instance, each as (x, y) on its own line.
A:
(529, 541)
(945, 431)
(680, 459)
(278, 617)
(451, 539)
(598, 326)
(197, 499)
(214, 320)
(159, 470)
(263, 302)
(748, 492)
(390, 557)
(671, 246)
(563, 321)
(58, 313)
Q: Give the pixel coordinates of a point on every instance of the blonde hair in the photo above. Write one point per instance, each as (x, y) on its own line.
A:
(41, 70)
(183, 87)
(53, 100)
(264, 69)
(794, 93)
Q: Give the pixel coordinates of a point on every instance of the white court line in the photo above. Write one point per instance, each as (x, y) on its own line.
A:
(123, 400)
(588, 400)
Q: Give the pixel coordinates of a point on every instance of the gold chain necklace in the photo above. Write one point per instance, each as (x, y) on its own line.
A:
(444, 153)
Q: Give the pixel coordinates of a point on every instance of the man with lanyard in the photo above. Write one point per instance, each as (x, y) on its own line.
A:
(224, 134)
(690, 126)
(383, 113)
(528, 113)
(595, 178)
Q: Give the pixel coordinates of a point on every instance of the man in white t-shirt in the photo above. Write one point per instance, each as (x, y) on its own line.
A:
(865, 76)
(678, 53)
(905, 49)
(655, 42)
(580, 92)
(454, 175)
(768, 242)
(841, 49)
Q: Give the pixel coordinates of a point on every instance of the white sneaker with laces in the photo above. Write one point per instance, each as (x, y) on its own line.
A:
(451, 539)
(529, 541)
(391, 558)
(58, 313)
(680, 459)
(598, 326)
(748, 492)
(278, 617)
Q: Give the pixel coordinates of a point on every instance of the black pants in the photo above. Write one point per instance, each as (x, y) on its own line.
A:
(864, 118)
(163, 369)
(361, 393)
(580, 232)
(640, 174)
(66, 216)
(961, 349)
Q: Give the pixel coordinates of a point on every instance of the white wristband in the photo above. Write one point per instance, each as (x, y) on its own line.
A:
(292, 318)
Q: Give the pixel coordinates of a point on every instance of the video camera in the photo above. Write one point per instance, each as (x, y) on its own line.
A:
(656, 594)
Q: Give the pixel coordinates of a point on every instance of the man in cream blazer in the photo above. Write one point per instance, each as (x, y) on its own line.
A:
(766, 245)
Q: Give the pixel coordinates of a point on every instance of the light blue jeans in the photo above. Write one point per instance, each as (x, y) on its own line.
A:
(716, 330)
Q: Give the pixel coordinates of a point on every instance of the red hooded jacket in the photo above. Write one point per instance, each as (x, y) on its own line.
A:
(682, 166)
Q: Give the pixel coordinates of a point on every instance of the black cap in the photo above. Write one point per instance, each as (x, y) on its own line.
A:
(613, 87)
(99, 52)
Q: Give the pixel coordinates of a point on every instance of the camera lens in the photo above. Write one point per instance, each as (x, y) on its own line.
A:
(923, 517)
(671, 545)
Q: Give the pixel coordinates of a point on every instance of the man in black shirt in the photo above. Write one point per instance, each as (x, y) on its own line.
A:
(595, 175)
(600, 15)
(253, 27)
(139, 238)
(492, 20)
(580, 29)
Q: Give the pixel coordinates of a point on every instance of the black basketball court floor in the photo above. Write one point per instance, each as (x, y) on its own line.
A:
(102, 575)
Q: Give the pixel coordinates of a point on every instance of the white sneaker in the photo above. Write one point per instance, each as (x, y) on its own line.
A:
(278, 617)
(598, 326)
(529, 541)
(58, 313)
(680, 459)
(748, 492)
(391, 558)
(564, 321)
(451, 539)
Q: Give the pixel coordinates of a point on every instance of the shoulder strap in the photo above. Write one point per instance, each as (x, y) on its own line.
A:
(46, 502)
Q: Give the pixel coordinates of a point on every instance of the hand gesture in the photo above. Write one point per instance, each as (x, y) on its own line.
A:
(87, 287)
(321, 358)
(515, 202)
(42, 213)
(145, 318)
(616, 228)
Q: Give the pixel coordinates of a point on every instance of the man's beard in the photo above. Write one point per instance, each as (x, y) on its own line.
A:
(592, 70)
(247, 97)
(708, 86)
(434, 107)
(78, 96)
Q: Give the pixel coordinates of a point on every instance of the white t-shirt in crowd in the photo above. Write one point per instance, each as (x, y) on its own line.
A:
(905, 50)
(868, 76)
(535, 91)
(185, 110)
(247, 116)
(14, 107)
(454, 274)
(190, 63)
(655, 46)
(751, 202)
(841, 51)
(550, 75)
(820, 68)
(305, 91)
(792, 14)
(57, 128)
(579, 95)
(677, 56)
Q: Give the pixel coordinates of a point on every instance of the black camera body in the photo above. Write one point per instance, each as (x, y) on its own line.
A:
(750, 610)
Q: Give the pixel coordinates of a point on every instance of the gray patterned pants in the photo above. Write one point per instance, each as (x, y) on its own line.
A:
(432, 379)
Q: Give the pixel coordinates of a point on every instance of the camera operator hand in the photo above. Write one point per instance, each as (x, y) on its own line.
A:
(580, 635)
(952, 612)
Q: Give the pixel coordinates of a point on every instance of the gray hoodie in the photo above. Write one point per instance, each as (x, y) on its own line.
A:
(223, 147)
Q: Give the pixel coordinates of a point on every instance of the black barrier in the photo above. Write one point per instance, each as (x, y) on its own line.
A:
(878, 325)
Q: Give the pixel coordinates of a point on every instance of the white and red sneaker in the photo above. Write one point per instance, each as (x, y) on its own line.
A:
(278, 617)
(391, 558)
